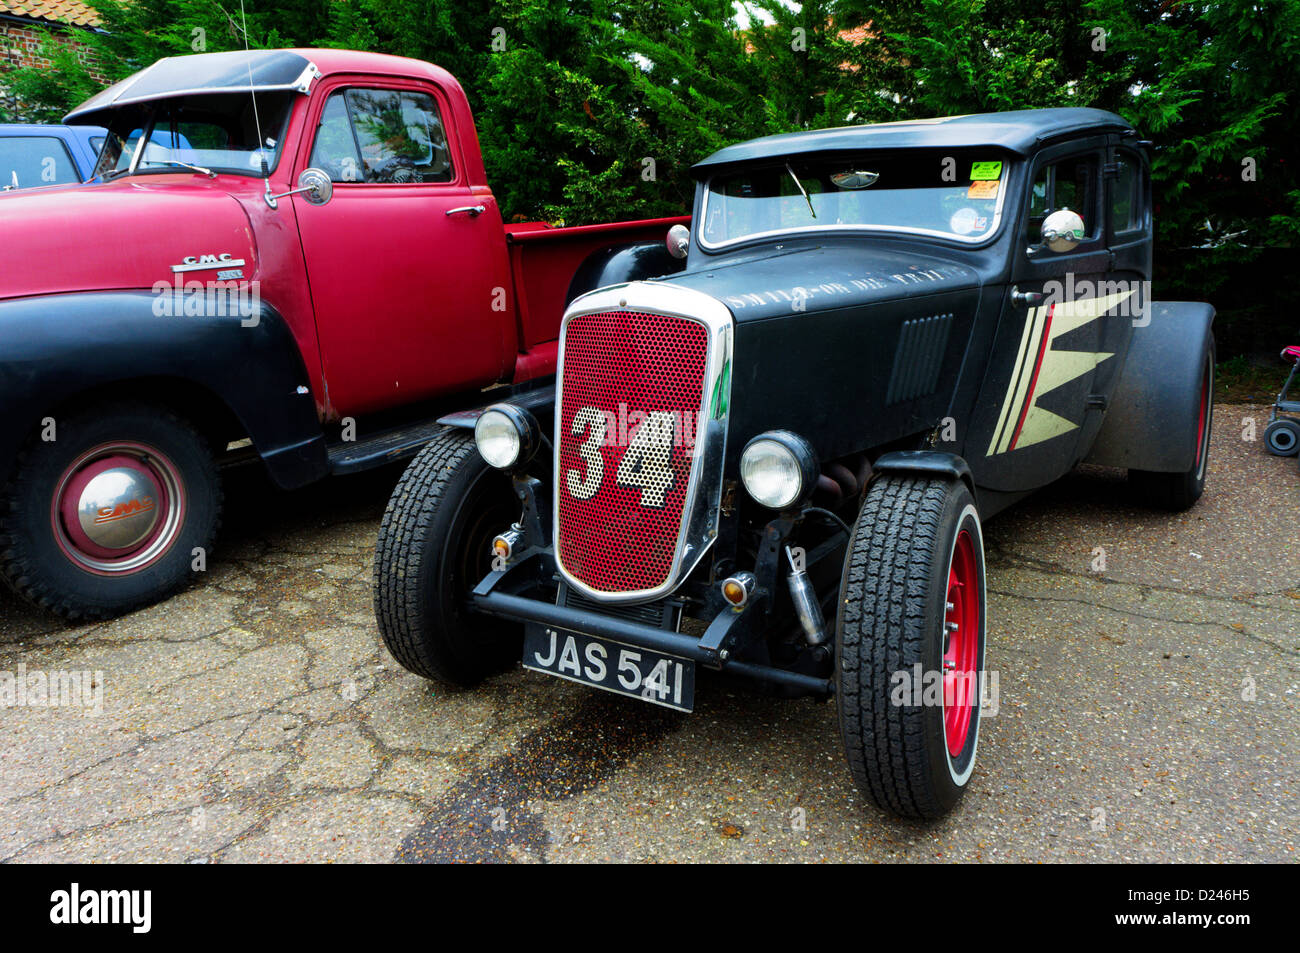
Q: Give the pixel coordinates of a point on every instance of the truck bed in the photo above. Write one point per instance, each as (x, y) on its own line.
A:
(543, 261)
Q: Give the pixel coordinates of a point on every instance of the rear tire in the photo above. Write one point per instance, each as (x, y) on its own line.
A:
(1282, 437)
(916, 549)
(434, 546)
(1178, 491)
(64, 550)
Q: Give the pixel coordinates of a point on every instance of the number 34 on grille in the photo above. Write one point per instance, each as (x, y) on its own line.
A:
(645, 464)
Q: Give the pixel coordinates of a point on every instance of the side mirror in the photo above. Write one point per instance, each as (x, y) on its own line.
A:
(317, 186)
(314, 185)
(679, 241)
(1063, 230)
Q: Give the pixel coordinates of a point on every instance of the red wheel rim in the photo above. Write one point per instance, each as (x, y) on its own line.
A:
(1202, 420)
(117, 508)
(962, 626)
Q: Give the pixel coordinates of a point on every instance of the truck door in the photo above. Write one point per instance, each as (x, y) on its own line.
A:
(1039, 402)
(406, 260)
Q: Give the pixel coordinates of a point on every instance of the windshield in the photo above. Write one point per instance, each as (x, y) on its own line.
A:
(213, 132)
(954, 194)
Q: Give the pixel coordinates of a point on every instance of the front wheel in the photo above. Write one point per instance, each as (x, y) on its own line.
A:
(108, 510)
(434, 546)
(909, 656)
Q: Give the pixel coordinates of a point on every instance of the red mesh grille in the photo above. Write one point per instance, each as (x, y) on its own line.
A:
(626, 365)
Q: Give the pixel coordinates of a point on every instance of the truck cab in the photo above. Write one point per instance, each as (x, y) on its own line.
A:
(292, 251)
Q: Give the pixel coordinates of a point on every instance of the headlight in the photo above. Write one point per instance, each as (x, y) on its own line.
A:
(779, 469)
(506, 436)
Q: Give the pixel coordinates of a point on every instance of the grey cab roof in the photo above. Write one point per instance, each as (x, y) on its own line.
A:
(1019, 131)
(263, 70)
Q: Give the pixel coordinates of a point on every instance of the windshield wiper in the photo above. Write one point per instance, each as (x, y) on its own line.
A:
(802, 191)
(183, 165)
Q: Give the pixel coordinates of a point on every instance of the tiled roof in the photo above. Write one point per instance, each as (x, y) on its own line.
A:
(53, 11)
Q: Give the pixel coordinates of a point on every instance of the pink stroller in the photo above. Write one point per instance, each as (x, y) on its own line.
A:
(1282, 435)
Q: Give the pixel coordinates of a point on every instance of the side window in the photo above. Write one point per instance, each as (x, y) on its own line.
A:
(335, 149)
(382, 135)
(1126, 196)
(35, 160)
(1070, 183)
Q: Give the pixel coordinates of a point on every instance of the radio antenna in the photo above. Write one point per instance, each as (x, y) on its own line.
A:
(257, 120)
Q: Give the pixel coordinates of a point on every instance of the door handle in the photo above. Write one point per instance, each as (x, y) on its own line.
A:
(474, 210)
(1026, 298)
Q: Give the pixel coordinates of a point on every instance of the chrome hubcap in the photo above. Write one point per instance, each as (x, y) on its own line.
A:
(119, 507)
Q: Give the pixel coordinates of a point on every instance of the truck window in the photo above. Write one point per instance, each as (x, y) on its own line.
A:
(382, 135)
(1070, 183)
(35, 160)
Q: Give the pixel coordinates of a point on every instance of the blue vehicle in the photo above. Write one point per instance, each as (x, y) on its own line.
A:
(33, 155)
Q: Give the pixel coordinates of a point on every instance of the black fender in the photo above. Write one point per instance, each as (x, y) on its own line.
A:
(58, 348)
(931, 463)
(619, 264)
(1157, 401)
(536, 396)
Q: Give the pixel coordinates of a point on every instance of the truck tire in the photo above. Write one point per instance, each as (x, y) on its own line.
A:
(434, 546)
(110, 514)
(914, 570)
(1178, 491)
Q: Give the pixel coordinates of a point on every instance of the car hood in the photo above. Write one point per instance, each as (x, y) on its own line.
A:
(797, 280)
(123, 235)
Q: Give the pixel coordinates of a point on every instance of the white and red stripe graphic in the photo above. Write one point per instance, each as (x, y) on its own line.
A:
(1040, 369)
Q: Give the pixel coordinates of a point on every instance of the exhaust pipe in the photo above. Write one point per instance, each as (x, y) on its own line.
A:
(806, 606)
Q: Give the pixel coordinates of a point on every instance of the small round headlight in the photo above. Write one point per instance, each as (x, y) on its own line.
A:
(506, 436)
(779, 469)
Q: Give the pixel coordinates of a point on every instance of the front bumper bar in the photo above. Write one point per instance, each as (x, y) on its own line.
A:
(522, 609)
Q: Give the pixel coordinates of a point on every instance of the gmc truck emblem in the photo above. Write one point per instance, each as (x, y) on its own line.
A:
(107, 514)
(207, 263)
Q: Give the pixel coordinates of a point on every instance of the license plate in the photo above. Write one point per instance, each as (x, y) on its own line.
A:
(651, 676)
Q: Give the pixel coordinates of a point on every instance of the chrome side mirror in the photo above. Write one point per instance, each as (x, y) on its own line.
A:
(318, 188)
(315, 185)
(679, 241)
(1063, 230)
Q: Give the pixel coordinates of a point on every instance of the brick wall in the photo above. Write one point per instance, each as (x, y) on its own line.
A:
(20, 46)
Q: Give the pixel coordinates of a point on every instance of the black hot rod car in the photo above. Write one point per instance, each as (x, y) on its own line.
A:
(776, 462)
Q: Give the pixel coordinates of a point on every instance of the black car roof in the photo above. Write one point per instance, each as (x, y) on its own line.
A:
(1018, 130)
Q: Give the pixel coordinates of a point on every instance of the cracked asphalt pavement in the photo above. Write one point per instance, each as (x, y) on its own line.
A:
(1146, 710)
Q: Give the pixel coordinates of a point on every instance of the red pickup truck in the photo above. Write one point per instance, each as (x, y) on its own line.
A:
(293, 250)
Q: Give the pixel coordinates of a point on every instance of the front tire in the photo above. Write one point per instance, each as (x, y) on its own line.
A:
(434, 546)
(109, 512)
(909, 653)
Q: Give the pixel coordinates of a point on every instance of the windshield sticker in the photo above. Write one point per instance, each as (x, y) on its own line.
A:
(984, 171)
(984, 189)
(964, 221)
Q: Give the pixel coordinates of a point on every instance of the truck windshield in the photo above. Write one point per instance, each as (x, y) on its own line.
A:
(217, 132)
(956, 194)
